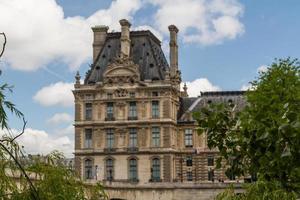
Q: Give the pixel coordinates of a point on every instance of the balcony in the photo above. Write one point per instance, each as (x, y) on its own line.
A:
(109, 118)
(109, 149)
(132, 149)
(133, 118)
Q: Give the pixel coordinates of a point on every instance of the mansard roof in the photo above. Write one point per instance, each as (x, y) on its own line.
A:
(192, 104)
(145, 51)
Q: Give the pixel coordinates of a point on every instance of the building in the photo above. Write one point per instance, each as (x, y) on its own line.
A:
(134, 129)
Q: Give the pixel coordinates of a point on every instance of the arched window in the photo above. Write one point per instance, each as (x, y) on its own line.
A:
(133, 169)
(109, 169)
(155, 169)
(88, 169)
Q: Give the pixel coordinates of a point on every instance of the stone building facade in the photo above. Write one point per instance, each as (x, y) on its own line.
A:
(133, 125)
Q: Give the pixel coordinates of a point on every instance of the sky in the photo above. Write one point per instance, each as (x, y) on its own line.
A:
(222, 46)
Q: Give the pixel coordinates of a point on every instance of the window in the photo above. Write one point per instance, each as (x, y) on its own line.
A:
(155, 109)
(132, 137)
(210, 161)
(189, 161)
(110, 138)
(88, 138)
(188, 137)
(88, 169)
(132, 111)
(110, 111)
(155, 136)
(155, 169)
(133, 169)
(211, 175)
(109, 169)
(88, 111)
(189, 176)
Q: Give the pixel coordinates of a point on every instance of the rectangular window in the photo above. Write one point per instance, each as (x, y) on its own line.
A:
(210, 161)
(155, 136)
(132, 111)
(188, 137)
(88, 111)
(189, 176)
(88, 138)
(110, 111)
(155, 109)
(189, 161)
(110, 138)
(133, 170)
(132, 137)
(211, 175)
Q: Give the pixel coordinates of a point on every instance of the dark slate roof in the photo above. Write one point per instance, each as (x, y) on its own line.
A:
(185, 103)
(145, 51)
(193, 104)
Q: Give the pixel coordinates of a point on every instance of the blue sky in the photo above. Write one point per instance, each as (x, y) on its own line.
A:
(222, 44)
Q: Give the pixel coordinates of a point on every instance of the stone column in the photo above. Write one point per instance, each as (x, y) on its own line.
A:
(125, 38)
(100, 33)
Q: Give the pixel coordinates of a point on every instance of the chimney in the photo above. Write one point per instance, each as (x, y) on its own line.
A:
(173, 50)
(125, 37)
(100, 33)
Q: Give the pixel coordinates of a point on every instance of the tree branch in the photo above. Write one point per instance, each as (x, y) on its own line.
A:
(4, 44)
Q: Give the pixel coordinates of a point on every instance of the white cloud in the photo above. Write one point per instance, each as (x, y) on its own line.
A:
(59, 93)
(200, 85)
(40, 142)
(262, 68)
(201, 21)
(59, 118)
(39, 33)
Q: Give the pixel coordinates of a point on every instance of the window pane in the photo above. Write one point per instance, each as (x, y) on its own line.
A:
(88, 168)
(155, 169)
(132, 109)
(88, 138)
(155, 109)
(132, 137)
(156, 136)
(132, 169)
(188, 137)
(109, 169)
(211, 175)
(189, 176)
(189, 161)
(88, 111)
(210, 161)
(110, 110)
(110, 138)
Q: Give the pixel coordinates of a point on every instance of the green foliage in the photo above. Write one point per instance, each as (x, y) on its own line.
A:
(263, 138)
(42, 178)
(260, 190)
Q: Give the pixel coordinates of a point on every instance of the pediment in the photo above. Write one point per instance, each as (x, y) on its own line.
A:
(121, 71)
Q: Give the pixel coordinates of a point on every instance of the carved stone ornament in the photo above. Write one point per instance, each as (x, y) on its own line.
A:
(121, 92)
(121, 71)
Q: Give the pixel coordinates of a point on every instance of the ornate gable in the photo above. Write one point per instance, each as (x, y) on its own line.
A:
(121, 71)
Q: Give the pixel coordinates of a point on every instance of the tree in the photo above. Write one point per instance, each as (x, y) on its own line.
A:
(52, 179)
(264, 138)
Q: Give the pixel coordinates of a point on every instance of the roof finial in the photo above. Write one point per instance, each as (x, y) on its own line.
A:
(77, 78)
(185, 94)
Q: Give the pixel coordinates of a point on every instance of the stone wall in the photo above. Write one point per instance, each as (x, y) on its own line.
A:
(169, 192)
